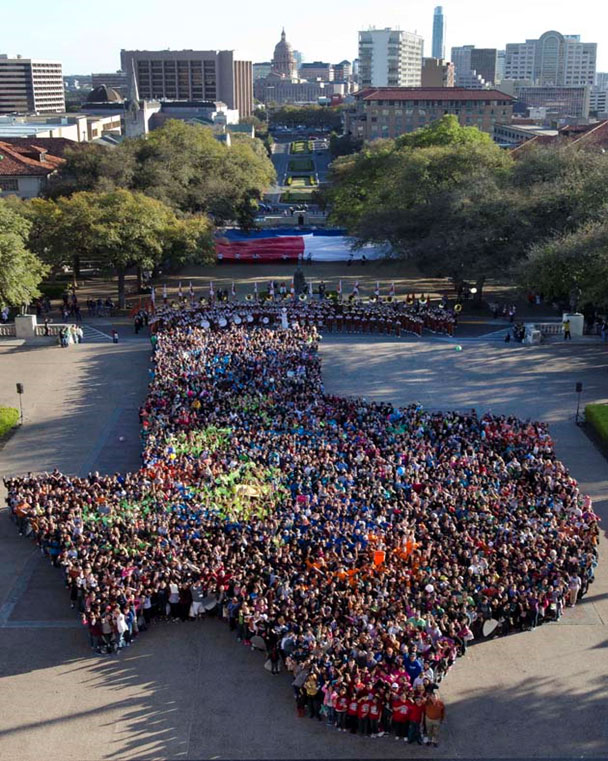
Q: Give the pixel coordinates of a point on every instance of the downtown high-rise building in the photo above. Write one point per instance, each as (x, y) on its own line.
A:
(553, 59)
(191, 75)
(438, 47)
(475, 67)
(390, 58)
(31, 86)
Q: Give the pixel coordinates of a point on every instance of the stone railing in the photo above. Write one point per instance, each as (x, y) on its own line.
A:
(53, 329)
(7, 330)
(549, 328)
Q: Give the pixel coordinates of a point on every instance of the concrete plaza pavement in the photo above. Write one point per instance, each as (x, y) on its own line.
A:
(189, 691)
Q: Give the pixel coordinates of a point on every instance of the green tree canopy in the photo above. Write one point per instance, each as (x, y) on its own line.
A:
(461, 207)
(122, 228)
(572, 260)
(446, 131)
(21, 271)
(313, 117)
(182, 165)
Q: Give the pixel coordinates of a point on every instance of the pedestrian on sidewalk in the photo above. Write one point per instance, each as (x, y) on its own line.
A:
(566, 326)
(114, 336)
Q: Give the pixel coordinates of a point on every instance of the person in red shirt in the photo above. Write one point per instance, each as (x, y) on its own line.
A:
(352, 714)
(341, 707)
(375, 711)
(399, 705)
(415, 712)
(363, 715)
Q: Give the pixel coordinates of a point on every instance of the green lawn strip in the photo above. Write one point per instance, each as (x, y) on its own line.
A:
(9, 417)
(301, 165)
(299, 196)
(596, 416)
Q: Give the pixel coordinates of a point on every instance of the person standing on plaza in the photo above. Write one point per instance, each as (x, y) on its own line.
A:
(434, 714)
(566, 326)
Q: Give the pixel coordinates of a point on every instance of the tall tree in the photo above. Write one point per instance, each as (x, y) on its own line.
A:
(182, 165)
(121, 228)
(21, 271)
(571, 261)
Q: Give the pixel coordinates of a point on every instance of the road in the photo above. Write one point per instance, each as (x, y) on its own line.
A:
(280, 158)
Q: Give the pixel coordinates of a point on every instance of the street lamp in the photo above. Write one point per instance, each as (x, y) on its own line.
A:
(578, 388)
(20, 390)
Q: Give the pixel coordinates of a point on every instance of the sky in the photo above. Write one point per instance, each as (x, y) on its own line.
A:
(87, 36)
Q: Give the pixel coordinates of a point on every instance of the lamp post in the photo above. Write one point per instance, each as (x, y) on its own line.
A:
(578, 388)
(20, 390)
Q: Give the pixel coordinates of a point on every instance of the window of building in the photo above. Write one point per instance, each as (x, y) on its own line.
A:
(9, 184)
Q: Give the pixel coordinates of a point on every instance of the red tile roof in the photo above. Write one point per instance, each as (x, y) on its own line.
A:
(56, 146)
(27, 160)
(430, 93)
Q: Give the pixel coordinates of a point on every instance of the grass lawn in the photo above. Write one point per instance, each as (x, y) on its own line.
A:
(299, 196)
(597, 417)
(301, 165)
(9, 417)
(299, 182)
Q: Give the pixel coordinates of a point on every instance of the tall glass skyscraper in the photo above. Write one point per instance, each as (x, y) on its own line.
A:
(438, 33)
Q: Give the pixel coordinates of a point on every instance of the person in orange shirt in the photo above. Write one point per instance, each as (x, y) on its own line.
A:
(434, 714)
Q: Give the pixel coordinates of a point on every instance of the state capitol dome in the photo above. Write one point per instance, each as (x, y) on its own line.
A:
(283, 61)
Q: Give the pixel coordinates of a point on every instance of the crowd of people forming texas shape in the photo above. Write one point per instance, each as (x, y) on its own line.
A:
(364, 546)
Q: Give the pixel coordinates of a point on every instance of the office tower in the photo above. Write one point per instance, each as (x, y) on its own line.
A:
(601, 80)
(473, 66)
(390, 58)
(117, 80)
(500, 65)
(483, 62)
(196, 75)
(437, 73)
(438, 33)
(30, 86)
(553, 59)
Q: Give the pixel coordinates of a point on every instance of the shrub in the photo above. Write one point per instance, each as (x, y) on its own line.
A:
(597, 417)
(9, 417)
(53, 290)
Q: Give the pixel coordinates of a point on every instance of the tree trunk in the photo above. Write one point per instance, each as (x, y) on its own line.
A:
(479, 284)
(121, 288)
(75, 268)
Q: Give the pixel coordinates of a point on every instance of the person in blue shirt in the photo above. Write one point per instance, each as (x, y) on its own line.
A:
(413, 666)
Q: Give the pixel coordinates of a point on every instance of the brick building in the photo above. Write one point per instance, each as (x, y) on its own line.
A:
(387, 112)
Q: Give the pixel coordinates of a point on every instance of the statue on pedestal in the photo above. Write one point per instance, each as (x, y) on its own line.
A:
(299, 282)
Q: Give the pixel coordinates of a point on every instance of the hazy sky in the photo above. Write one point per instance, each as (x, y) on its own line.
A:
(87, 36)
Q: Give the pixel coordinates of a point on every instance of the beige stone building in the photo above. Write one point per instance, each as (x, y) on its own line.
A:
(387, 112)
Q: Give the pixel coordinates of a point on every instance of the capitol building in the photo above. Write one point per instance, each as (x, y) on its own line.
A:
(283, 83)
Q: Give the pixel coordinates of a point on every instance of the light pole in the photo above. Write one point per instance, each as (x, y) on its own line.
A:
(578, 388)
(20, 393)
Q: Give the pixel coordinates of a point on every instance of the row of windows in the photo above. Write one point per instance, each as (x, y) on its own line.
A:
(437, 103)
